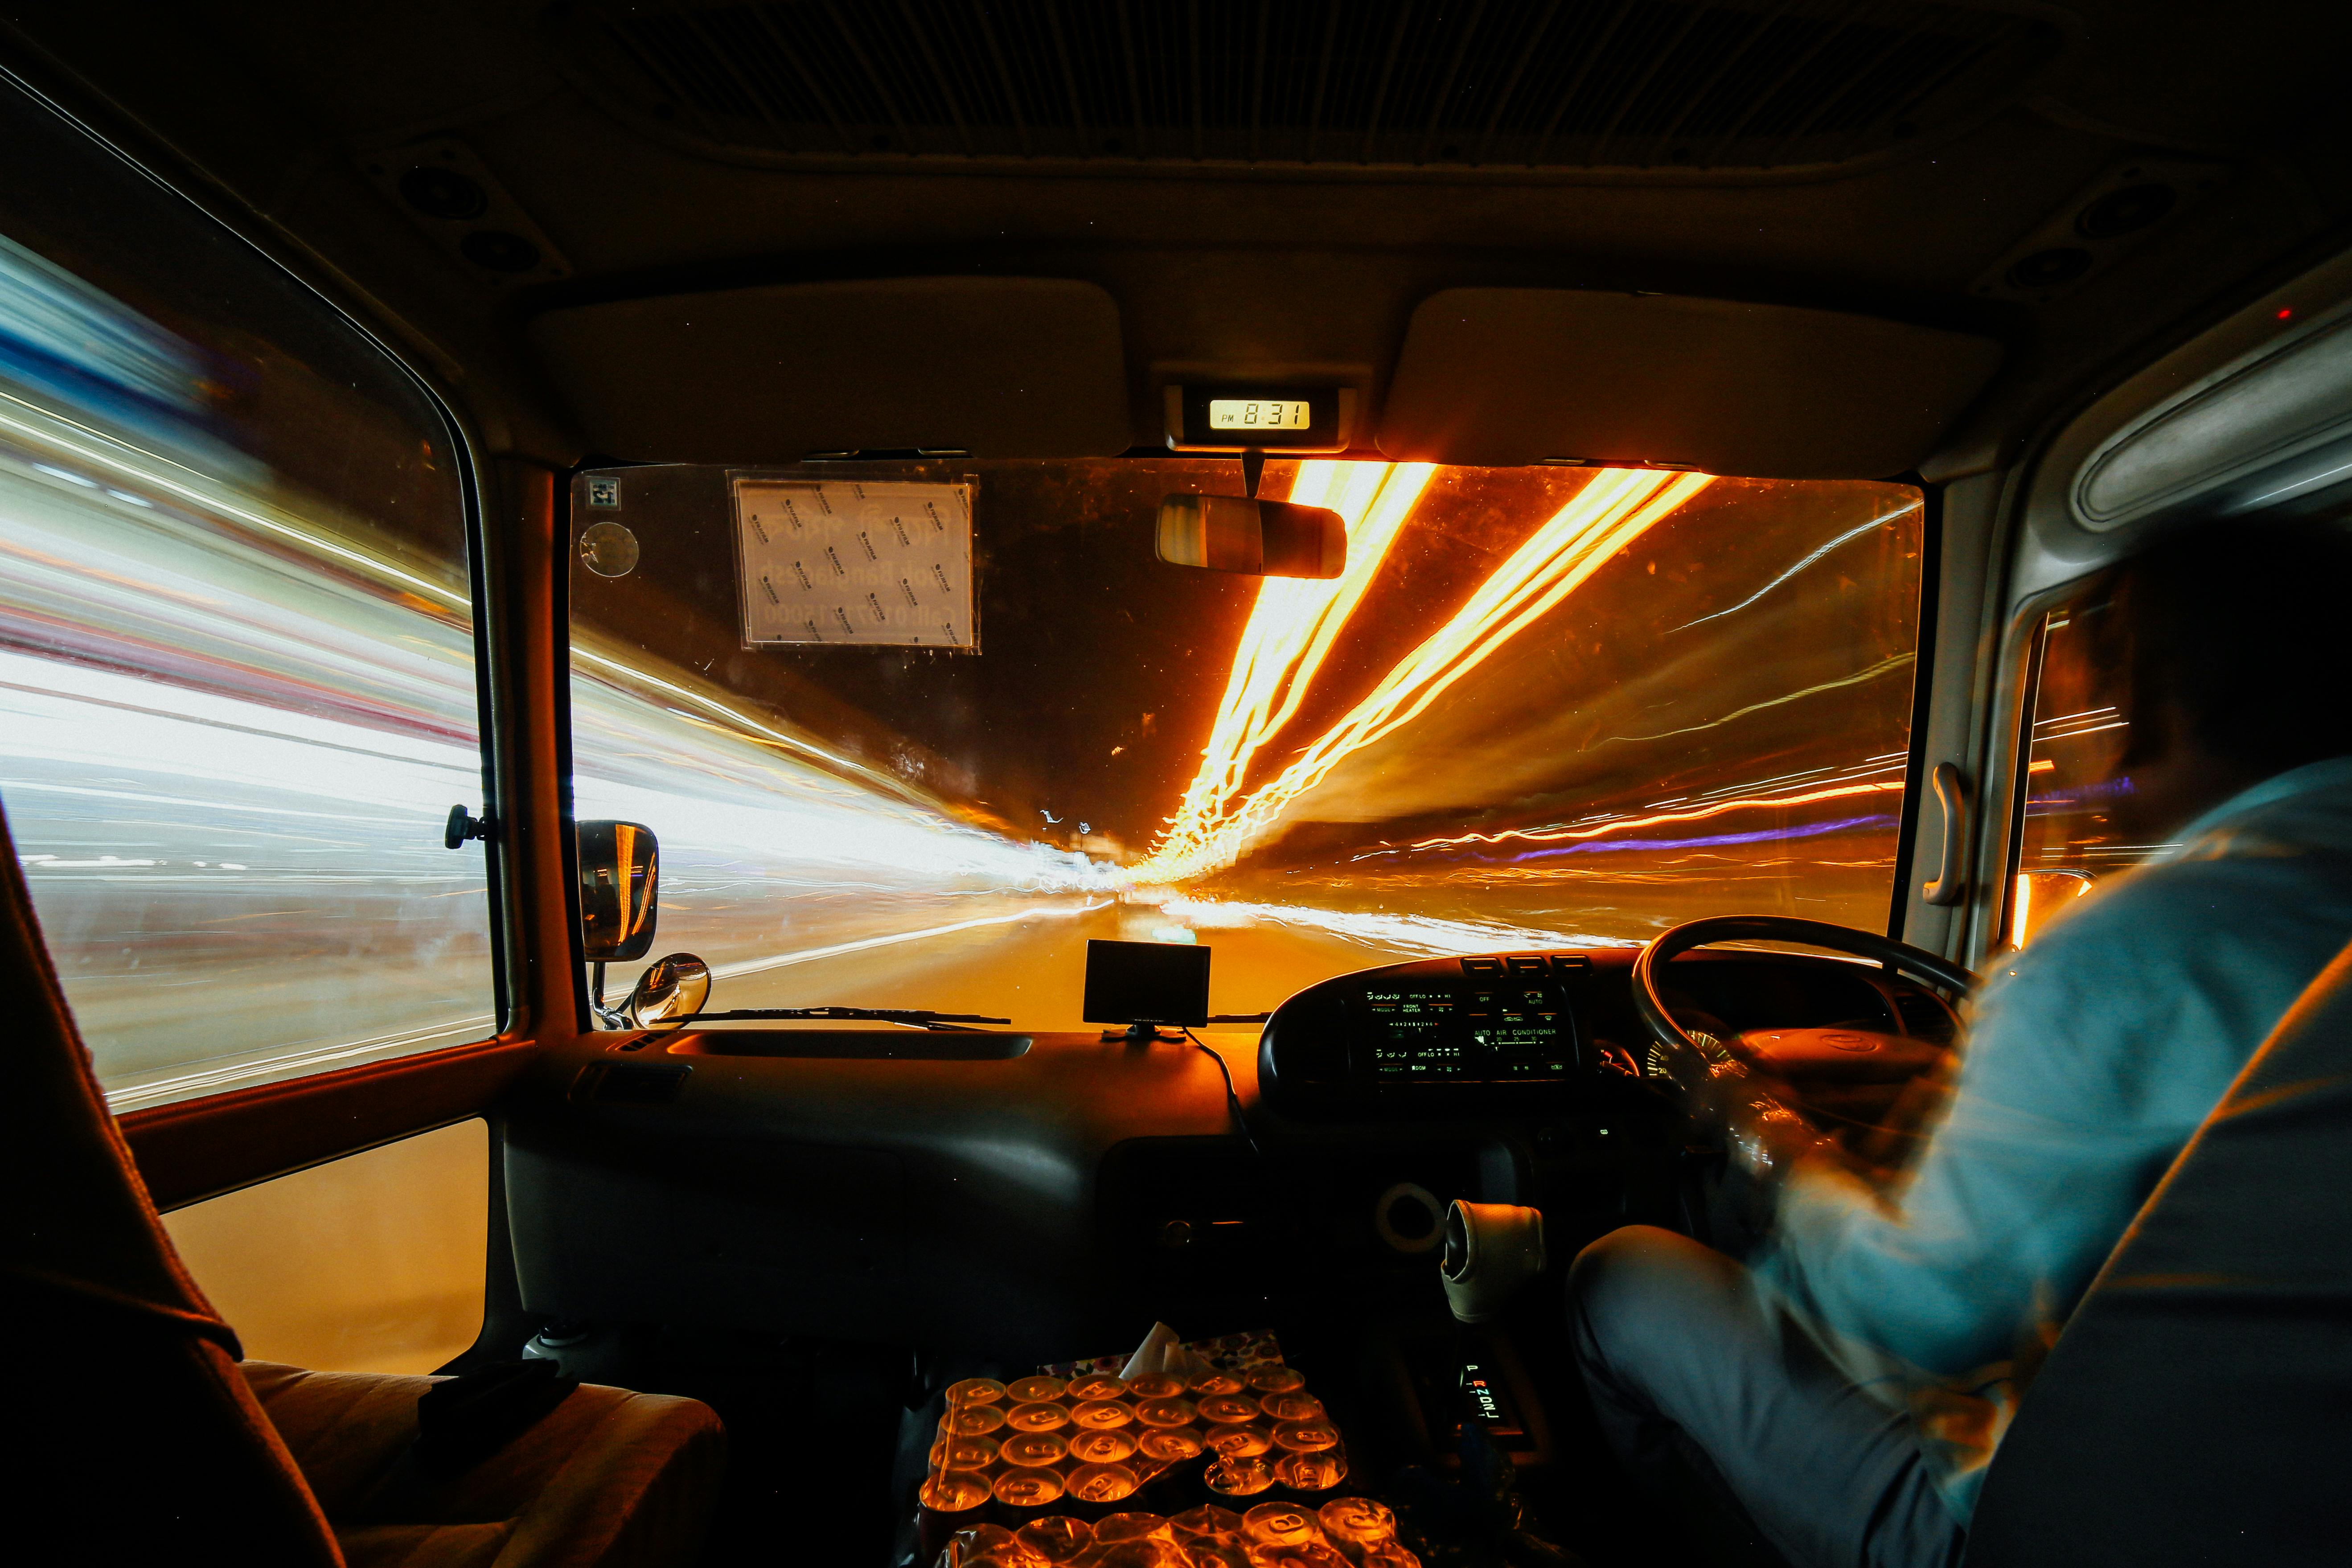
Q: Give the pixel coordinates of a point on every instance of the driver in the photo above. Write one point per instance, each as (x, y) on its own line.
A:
(1840, 1394)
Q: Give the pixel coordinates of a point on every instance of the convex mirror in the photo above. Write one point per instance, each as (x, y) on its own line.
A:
(1262, 538)
(620, 877)
(670, 993)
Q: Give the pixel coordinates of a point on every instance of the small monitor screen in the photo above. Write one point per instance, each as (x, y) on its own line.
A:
(1147, 982)
(1259, 414)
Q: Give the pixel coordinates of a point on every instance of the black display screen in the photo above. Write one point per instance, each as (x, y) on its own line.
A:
(1147, 982)
(1512, 1029)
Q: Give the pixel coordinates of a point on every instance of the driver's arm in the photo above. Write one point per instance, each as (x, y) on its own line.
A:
(2091, 1058)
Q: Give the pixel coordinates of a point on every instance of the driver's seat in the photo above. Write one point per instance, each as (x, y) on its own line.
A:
(2198, 1408)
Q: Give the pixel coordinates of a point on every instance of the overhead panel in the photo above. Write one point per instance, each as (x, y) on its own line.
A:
(1500, 86)
(992, 367)
(1500, 376)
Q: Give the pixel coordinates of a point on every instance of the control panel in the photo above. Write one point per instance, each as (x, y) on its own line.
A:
(1438, 1032)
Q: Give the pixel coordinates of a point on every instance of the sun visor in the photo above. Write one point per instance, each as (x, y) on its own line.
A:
(997, 367)
(1499, 376)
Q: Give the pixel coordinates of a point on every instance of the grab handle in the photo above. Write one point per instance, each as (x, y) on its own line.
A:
(1952, 797)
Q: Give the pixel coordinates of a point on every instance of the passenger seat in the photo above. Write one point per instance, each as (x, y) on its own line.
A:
(141, 1437)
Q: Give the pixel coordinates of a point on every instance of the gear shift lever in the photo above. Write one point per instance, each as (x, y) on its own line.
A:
(1491, 1250)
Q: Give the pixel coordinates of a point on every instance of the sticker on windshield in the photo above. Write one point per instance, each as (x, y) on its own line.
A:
(878, 563)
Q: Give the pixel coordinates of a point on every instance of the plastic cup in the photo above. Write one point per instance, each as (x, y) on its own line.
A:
(952, 1491)
(1101, 1483)
(975, 1391)
(1239, 1442)
(1206, 1522)
(1168, 1445)
(1312, 1472)
(1098, 1385)
(1166, 1412)
(1357, 1520)
(1102, 1414)
(1100, 1446)
(1155, 1385)
(1306, 1436)
(1238, 1476)
(1058, 1538)
(1279, 1524)
(1029, 1451)
(972, 1420)
(1275, 1378)
(1028, 1487)
(1228, 1408)
(1031, 1389)
(1296, 1405)
(1038, 1416)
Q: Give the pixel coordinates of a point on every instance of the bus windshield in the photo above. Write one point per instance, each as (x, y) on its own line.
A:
(1540, 708)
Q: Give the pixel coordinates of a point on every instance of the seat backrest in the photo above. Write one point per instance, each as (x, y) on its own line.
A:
(2198, 1408)
(133, 1437)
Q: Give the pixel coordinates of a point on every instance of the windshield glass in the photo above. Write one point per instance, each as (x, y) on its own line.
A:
(1540, 708)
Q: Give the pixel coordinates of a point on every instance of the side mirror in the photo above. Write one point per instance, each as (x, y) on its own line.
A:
(668, 993)
(1263, 538)
(620, 880)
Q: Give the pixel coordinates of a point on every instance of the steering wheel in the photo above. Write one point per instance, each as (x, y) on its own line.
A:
(1669, 945)
(1761, 1136)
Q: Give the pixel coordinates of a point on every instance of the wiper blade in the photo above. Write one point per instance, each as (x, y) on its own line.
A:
(913, 1018)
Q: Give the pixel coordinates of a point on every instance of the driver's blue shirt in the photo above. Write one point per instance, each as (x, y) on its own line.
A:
(2090, 1057)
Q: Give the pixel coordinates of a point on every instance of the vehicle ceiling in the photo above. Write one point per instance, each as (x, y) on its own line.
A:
(1284, 261)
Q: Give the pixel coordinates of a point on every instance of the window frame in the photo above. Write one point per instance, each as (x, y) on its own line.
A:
(190, 1171)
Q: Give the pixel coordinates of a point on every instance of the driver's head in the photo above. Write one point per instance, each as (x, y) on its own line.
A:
(2231, 640)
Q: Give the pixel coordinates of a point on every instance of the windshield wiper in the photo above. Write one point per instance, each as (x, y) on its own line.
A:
(913, 1018)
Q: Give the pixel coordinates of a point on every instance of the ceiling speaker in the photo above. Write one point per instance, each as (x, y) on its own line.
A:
(2115, 212)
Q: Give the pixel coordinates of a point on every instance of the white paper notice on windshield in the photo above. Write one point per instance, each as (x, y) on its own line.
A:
(857, 563)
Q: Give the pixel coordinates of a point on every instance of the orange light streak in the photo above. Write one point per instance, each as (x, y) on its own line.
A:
(1291, 631)
(1616, 507)
(1554, 834)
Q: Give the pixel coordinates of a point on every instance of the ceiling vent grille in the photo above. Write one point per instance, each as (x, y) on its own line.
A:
(1463, 85)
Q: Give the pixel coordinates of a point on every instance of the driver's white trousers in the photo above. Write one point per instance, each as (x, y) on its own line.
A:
(1698, 1384)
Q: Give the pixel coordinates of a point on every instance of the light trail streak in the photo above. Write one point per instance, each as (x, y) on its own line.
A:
(1554, 835)
(1402, 933)
(1847, 537)
(1610, 512)
(1291, 631)
(811, 954)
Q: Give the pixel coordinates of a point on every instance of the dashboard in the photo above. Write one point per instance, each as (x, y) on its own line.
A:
(1043, 1190)
(1532, 1032)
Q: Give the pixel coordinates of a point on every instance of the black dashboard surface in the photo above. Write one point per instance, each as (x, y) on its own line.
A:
(1016, 1190)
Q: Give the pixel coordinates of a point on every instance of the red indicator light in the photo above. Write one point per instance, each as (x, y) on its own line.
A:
(2286, 315)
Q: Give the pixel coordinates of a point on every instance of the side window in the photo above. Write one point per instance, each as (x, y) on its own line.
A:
(2067, 836)
(236, 659)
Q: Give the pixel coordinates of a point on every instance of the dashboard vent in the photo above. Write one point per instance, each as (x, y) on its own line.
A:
(1491, 85)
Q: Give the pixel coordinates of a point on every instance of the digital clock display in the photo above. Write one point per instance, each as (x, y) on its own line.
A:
(1260, 413)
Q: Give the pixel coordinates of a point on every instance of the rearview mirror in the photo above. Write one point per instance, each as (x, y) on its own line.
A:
(1262, 538)
(619, 878)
